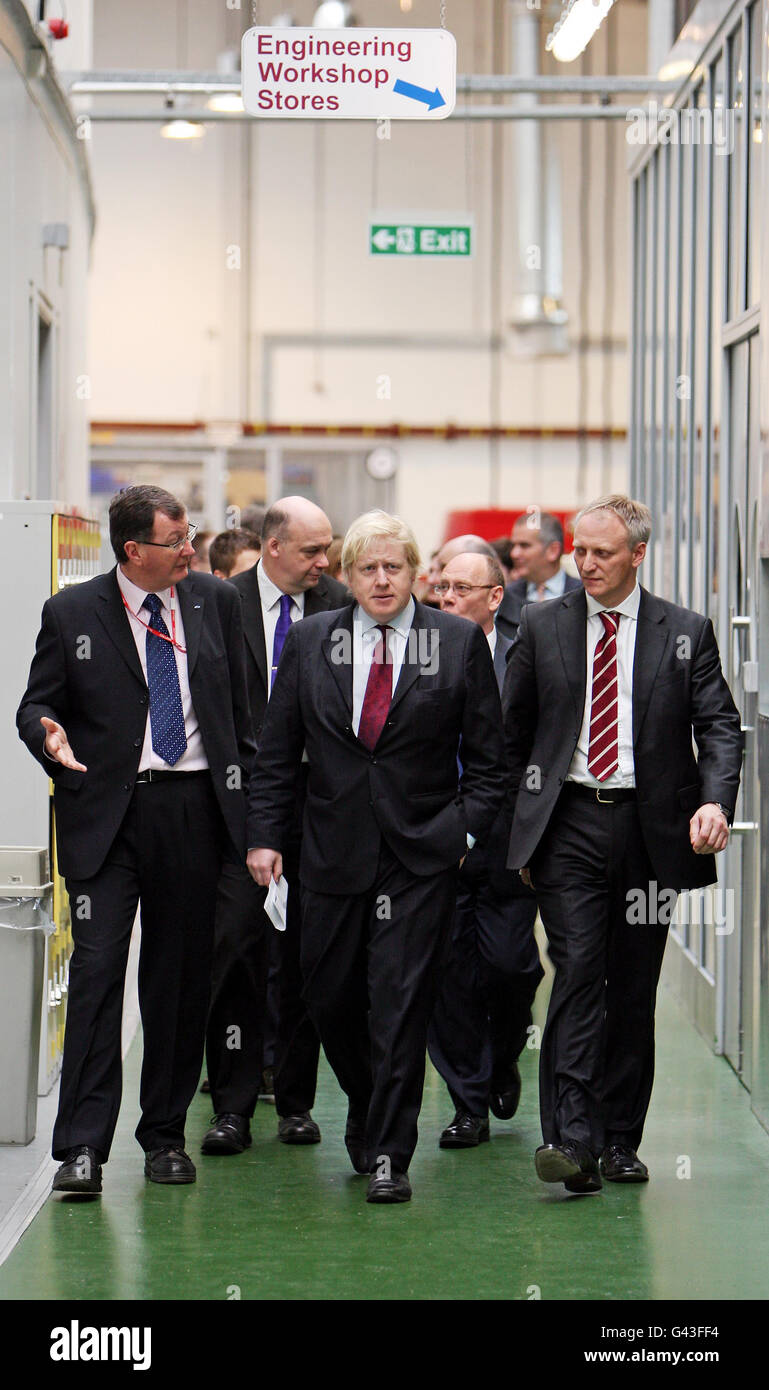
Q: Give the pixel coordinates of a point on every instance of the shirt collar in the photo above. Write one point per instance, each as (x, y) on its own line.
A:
(628, 606)
(491, 638)
(270, 593)
(134, 596)
(401, 623)
(554, 586)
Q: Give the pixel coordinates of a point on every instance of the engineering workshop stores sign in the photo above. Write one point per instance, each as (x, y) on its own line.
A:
(353, 74)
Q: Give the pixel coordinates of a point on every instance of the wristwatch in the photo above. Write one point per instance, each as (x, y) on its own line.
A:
(725, 811)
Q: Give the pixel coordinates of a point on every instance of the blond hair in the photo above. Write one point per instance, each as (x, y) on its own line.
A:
(378, 525)
(635, 517)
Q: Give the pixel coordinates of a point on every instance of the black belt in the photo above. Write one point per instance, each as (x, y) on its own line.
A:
(605, 796)
(160, 776)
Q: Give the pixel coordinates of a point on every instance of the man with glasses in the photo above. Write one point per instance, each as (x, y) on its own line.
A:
(137, 709)
(479, 1025)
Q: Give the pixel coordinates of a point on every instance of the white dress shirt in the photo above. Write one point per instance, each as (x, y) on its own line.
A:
(270, 596)
(555, 586)
(193, 758)
(491, 638)
(624, 775)
(365, 635)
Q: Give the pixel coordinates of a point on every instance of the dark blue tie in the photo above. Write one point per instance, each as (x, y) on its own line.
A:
(281, 633)
(166, 715)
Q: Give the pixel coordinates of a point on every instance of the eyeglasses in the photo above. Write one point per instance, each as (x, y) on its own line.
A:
(460, 589)
(192, 531)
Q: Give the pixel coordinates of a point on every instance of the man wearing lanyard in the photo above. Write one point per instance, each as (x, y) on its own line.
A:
(379, 695)
(136, 707)
(613, 816)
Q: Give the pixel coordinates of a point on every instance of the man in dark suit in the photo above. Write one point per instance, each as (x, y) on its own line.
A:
(480, 1021)
(140, 674)
(537, 547)
(379, 695)
(614, 816)
(288, 583)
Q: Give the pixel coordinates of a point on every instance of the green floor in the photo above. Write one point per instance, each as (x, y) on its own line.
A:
(283, 1223)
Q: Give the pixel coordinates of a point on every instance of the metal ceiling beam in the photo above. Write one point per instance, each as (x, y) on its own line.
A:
(461, 113)
(173, 82)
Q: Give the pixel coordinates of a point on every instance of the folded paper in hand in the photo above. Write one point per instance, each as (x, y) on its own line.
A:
(275, 906)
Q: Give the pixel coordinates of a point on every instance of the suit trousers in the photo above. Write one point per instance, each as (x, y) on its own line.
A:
(371, 964)
(483, 1009)
(167, 857)
(597, 1059)
(297, 1045)
(236, 1016)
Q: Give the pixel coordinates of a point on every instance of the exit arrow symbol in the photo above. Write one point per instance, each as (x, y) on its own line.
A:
(383, 239)
(431, 99)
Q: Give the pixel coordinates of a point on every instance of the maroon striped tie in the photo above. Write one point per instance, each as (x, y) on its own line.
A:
(379, 690)
(602, 755)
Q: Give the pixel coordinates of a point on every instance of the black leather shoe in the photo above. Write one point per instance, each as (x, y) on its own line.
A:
(229, 1134)
(80, 1172)
(205, 1087)
(465, 1132)
(355, 1143)
(169, 1164)
(569, 1162)
(505, 1094)
(620, 1163)
(396, 1188)
(298, 1129)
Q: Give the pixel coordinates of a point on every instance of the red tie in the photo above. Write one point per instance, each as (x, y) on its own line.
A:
(379, 689)
(602, 757)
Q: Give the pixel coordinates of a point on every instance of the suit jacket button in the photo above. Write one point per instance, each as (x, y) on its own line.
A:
(374, 761)
(137, 743)
(126, 786)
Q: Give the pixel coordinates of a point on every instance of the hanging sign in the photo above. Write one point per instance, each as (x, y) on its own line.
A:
(353, 74)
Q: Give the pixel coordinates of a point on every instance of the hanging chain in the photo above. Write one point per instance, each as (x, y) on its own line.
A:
(256, 6)
(443, 14)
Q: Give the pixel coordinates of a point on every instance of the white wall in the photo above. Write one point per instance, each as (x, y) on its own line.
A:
(39, 185)
(173, 328)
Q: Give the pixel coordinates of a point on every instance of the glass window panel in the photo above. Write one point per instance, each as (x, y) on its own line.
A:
(757, 136)
(666, 223)
(700, 267)
(683, 381)
(717, 319)
(736, 122)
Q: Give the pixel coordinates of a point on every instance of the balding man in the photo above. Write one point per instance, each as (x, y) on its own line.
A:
(286, 584)
(483, 1010)
(537, 547)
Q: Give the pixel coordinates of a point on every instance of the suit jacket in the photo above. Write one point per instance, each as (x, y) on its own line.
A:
(406, 791)
(500, 658)
(509, 612)
(543, 703)
(101, 699)
(327, 594)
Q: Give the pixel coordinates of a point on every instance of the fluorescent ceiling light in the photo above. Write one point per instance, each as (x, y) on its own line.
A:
(576, 27)
(182, 130)
(225, 101)
(332, 14)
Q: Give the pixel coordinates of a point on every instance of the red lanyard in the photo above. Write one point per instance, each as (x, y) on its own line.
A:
(153, 630)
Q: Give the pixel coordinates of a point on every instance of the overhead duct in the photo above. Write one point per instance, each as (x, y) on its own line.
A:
(537, 322)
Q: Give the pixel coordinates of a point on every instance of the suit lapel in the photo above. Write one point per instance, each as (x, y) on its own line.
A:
(191, 607)
(413, 656)
(652, 638)
(110, 610)
(338, 652)
(571, 627)
(253, 622)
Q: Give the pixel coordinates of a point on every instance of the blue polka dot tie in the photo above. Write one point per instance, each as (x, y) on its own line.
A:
(166, 715)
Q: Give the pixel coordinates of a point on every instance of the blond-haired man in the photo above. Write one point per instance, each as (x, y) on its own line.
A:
(380, 695)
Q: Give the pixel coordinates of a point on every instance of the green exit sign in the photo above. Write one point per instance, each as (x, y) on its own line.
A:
(420, 239)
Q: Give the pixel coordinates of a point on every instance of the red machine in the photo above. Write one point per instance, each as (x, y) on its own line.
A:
(491, 522)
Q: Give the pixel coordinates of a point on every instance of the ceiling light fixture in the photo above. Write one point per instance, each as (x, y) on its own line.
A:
(226, 101)
(333, 14)
(576, 27)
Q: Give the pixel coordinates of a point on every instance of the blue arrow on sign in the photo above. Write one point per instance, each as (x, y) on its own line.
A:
(431, 99)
